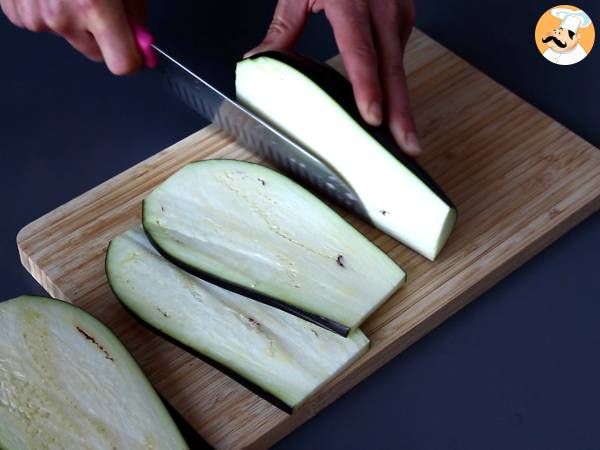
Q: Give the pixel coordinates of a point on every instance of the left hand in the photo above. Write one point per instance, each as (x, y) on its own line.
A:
(371, 36)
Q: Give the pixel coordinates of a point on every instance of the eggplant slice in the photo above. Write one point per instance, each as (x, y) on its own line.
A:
(270, 351)
(314, 105)
(67, 382)
(251, 230)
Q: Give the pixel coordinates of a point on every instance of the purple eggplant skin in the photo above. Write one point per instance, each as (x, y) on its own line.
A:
(340, 90)
(221, 368)
(323, 322)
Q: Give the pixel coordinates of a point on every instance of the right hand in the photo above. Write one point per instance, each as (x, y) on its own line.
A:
(97, 28)
(371, 36)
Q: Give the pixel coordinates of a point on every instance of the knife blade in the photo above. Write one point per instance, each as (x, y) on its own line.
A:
(255, 134)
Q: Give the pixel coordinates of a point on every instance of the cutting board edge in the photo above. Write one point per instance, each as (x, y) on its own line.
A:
(391, 350)
(432, 321)
(388, 349)
(29, 230)
(337, 63)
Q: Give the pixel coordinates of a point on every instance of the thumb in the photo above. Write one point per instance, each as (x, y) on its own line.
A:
(286, 27)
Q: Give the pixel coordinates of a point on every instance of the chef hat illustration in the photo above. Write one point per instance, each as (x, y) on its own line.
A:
(572, 20)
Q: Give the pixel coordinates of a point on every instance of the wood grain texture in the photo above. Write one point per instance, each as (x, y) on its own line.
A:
(519, 180)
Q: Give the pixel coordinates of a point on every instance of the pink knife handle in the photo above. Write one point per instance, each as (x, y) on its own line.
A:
(144, 40)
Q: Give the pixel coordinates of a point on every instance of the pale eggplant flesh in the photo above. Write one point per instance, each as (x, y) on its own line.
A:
(314, 105)
(67, 382)
(277, 355)
(253, 231)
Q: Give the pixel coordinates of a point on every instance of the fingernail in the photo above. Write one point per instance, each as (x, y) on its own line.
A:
(412, 144)
(372, 113)
(253, 52)
(408, 141)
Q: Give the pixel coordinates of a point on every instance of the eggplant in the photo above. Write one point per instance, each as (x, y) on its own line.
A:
(279, 356)
(254, 231)
(314, 105)
(67, 382)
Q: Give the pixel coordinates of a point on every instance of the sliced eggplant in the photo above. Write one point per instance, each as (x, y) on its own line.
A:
(279, 356)
(314, 105)
(251, 230)
(67, 382)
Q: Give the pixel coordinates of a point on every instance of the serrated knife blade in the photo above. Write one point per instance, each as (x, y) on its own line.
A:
(255, 134)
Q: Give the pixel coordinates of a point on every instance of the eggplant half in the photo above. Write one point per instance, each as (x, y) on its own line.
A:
(277, 355)
(254, 231)
(66, 382)
(314, 105)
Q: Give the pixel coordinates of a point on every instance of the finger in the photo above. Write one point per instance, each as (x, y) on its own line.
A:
(353, 35)
(389, 24)
(57, 16)
(30, 15)
(83, 41)
(10, 10)
(406, 15)
(108, 24)
(286, 27)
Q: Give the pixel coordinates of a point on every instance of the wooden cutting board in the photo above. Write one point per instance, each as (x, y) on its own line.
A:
(518, 178)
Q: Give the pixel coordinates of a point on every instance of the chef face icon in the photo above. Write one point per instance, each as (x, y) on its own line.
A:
(565, 35)
(561, 40)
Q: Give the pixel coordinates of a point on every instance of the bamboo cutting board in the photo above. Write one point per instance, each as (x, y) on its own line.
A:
(519, 180)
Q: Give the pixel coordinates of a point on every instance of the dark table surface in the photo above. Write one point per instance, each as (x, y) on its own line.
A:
(517, 369)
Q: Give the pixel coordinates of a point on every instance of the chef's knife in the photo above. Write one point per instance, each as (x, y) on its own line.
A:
(251, 131)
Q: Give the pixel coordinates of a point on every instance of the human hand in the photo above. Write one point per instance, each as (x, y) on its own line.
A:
(371, 36)
(97, 28)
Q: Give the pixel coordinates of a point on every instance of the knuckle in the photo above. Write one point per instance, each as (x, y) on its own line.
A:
(278, 26)
(55, 19)
(58, 25)
(362, 51)
(35, 24)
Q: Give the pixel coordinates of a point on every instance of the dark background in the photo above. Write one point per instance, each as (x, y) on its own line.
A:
(517, 369)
